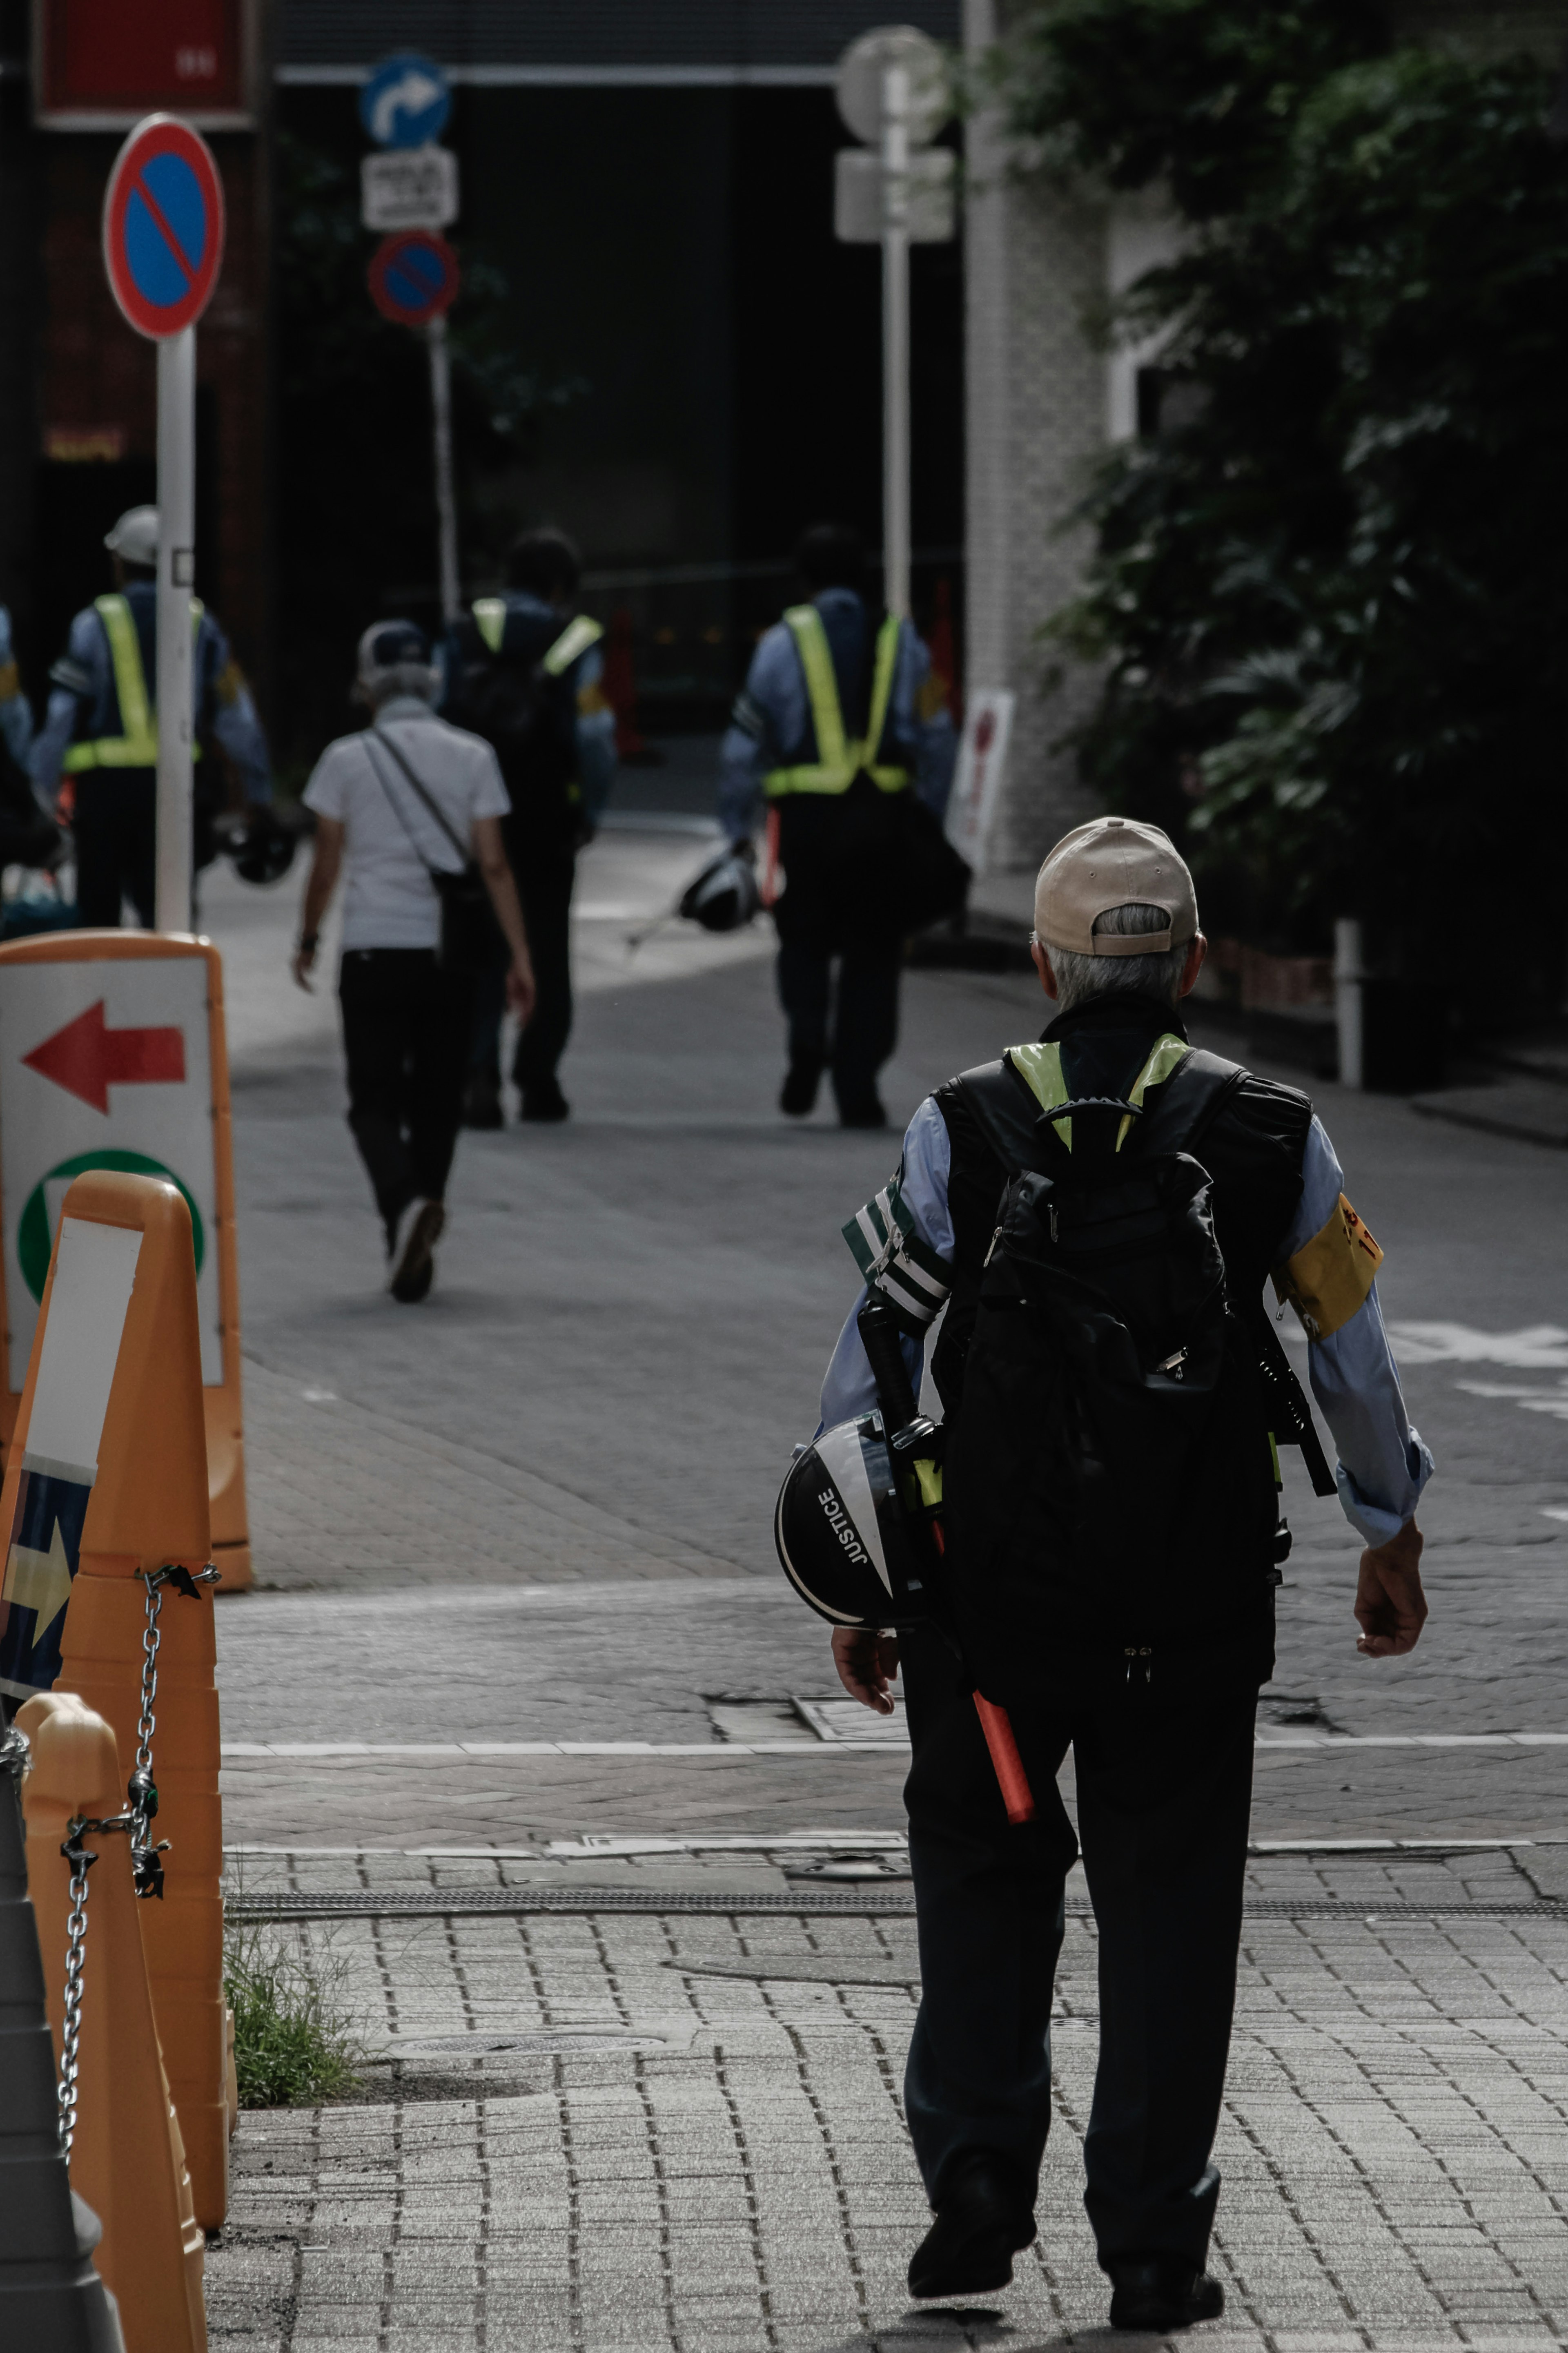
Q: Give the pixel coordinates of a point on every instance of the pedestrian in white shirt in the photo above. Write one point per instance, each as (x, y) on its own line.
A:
(403, 810)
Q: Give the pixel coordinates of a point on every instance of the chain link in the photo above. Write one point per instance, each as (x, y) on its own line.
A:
(81, 1860)
(142, 1790)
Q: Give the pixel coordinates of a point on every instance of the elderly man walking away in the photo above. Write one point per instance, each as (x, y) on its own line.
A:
(403, 810)
(1114, 1398)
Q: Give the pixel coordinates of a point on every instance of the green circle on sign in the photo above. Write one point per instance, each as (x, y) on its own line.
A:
(33, 1238)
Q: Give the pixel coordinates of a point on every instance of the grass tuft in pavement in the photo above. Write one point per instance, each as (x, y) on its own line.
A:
(291, 2045)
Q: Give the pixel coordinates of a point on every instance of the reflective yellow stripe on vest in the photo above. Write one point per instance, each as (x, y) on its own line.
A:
(838, 761)
(490, 619)
(1040, 1068)
(137, 747)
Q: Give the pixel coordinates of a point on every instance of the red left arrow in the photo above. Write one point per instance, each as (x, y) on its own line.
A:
(87, 1057)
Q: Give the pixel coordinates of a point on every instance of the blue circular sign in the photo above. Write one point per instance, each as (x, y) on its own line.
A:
(413, 277)
(405, 102)
(163, 225)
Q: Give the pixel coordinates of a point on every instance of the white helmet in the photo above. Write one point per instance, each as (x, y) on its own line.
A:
(135, 538)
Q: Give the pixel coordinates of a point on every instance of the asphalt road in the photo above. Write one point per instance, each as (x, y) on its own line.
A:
(627, 1336)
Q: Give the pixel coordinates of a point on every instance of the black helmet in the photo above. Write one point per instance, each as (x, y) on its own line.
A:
(725, 895)
(844, 1540)
(261, 849)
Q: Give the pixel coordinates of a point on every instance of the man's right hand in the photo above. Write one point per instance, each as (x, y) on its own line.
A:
(867, 1663)
(1390, 1607)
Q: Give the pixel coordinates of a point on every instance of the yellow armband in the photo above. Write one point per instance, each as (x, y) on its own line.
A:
(1330, 1276)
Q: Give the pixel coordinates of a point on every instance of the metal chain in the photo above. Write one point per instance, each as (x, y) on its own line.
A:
(81, 1861)
(142, 1790)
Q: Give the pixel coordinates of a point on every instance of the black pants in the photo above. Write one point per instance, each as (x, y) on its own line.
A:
(115, 831)
(864, 1026)
(1164, 1797)
(545, 879)
(406, 1034)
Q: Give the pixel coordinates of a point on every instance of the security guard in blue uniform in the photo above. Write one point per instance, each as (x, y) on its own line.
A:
(838, 718)
(101, 731)
(1161, 1734)
(524, 672)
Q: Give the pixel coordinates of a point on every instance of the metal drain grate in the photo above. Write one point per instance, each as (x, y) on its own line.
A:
(861, 1902)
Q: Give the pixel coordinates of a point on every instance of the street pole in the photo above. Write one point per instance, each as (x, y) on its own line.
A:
(896, 338)
(445, 504)
(176, 578)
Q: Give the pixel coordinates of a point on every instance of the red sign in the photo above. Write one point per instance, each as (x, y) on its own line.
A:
(162, 226)
(413, 277)
(100, 64)
(86, 1058)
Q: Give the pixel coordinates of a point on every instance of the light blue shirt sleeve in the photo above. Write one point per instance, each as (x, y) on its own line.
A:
(596, 737)
(233, 715)
(1383, 1463)
(848, 1389)
(936, 742)
(15, 711)
(80, 688)
(770, 712)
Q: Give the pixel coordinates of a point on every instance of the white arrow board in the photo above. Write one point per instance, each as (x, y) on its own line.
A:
(103, 1064)
(410, 188)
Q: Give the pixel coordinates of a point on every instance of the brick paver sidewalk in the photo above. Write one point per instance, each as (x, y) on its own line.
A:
(679, 2132)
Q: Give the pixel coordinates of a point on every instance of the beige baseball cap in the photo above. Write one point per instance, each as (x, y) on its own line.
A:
(1109, 863)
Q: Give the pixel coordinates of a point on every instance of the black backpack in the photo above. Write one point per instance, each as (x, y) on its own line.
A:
(525, 711)
(1112, 1480)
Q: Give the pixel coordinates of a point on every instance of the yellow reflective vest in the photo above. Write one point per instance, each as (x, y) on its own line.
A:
(838, 759)
(489, 619)
(137, 746)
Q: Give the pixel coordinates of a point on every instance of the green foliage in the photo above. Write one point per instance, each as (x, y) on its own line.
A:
(1331, 592)
(291, 2046)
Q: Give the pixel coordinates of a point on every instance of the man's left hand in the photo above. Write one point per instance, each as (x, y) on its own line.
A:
(521, 991)
(1390, 1607)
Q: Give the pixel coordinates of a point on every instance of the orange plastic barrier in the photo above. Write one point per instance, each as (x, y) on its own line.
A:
(127, 2159)
(113, 1054)
(144, 1485)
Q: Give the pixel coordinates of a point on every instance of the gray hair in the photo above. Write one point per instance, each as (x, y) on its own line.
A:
(1081, 978)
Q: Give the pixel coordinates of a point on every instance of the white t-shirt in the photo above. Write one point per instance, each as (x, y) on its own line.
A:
(389, 900)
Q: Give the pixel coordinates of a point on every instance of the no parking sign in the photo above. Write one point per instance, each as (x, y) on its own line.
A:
(164, 227)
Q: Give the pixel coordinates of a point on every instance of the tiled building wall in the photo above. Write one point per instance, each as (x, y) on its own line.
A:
(1036, 407)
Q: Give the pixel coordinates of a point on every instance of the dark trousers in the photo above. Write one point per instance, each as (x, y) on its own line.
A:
(1164, 1796)
(864, 1025)
(545, 884)
(406, 1034)
(115, 832)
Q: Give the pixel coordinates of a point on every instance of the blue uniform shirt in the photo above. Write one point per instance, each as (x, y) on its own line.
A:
(773, 713)
(1383, 1463)
(84, 705)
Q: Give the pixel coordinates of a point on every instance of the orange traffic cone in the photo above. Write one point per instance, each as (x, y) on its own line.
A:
(126, 2157)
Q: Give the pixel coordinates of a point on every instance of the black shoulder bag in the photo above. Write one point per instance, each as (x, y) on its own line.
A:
(471, 939)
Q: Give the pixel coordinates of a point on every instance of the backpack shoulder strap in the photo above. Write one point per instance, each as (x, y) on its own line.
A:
(1005, 1112)
(1187, 1103)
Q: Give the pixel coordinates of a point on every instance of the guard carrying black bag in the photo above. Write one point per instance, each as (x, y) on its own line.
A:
(471, 939)
(1112, 1482)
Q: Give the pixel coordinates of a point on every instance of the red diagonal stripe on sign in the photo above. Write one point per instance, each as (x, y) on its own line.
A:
(164, 231)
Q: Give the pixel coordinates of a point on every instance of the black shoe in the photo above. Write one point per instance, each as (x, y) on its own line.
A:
(482, 1105)
(982, 2218)
(416, 1269)
(865, 1115)
(1161, 2296)
(798, 1093)
(543, 1099)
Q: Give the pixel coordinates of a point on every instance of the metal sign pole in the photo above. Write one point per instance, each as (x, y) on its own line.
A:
(176, 578)
(896, 338)
(446, 503)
